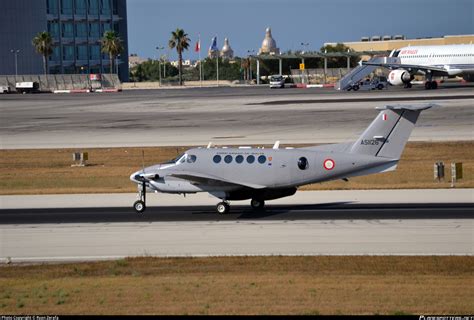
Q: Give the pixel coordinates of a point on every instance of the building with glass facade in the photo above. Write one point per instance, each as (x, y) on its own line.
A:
(76, 26)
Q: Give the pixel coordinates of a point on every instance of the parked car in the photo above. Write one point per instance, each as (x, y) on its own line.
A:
(277, 81)
(4, 89)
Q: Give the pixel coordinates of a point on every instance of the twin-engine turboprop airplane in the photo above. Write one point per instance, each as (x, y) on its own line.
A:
(265, 174)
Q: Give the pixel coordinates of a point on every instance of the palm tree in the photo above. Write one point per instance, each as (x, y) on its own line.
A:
(180, 41)
(113, 45)
(43, 43)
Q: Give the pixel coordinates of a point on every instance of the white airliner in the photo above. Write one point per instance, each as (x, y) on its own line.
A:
(431, 61)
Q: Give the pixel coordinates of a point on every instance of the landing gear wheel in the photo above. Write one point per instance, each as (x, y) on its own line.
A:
(408, 85)
(257, 204)
(355, 88)
(223, 208)
(139, 206)
(380, 86)
(434, 85)
(428, 85)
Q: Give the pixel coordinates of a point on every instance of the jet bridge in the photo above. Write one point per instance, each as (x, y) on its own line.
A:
(362, 71)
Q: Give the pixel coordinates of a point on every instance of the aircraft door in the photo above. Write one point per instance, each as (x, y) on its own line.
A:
(281, 168)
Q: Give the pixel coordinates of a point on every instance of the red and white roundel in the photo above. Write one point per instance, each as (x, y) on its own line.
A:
(329, 164)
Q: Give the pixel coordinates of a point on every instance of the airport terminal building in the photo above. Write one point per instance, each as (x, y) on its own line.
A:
(389, 43)
(76, 26)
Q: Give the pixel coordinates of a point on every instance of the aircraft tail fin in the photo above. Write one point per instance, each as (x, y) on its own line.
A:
(388, 134)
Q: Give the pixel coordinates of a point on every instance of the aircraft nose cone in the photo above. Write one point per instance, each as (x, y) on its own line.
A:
(134, 175)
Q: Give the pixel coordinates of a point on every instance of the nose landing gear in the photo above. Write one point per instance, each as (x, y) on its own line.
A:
(140, 205)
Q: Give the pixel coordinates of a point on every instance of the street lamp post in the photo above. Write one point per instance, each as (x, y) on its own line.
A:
(159, 61)
(250, 64)
(303, 44)
(348, 59)
(325, 65)
(15, 52)
(117, 59)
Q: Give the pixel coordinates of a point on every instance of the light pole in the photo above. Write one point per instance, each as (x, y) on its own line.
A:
(15, 52)
(117, 63)
(303, 44)
(250, 52)
(159, 61)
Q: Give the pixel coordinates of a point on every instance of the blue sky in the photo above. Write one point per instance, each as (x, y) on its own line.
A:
(150, 22)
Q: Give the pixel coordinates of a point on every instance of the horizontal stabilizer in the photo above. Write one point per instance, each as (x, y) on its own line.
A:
(417, 107)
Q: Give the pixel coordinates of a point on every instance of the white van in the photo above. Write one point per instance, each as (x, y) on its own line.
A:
(277, 81)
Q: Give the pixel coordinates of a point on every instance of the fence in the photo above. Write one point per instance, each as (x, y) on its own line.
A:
(53, 82)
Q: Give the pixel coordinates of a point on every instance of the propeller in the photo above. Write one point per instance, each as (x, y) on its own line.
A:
(143, 177)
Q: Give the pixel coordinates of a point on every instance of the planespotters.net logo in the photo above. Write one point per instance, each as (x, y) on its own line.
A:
(446, 318)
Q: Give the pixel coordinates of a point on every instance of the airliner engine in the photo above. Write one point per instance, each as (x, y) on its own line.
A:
(399, 77)
(469, 77)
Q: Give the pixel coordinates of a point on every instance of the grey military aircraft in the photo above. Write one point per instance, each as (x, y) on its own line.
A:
(263, 174)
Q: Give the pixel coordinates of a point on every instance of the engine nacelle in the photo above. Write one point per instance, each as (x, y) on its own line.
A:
(468, 77)
(263, 194)
(399, 77)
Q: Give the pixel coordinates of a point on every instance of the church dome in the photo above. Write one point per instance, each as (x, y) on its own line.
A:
(227, 51)
(269, 44)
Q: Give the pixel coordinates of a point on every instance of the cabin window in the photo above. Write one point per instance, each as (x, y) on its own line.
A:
(262, 159)
(250, 159)
(217, 158)
(192, 158)
(303, 163)
(239, 159)
(228, 159)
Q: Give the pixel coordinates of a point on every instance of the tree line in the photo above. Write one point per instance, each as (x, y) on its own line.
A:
(237, 69)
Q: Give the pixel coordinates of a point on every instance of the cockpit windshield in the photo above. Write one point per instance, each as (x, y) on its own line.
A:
(179, 159)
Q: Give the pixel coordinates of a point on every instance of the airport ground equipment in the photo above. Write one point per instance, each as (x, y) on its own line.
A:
(439, 171)
(351, 80)
(27, 87)
(261, 174)
(456, 173)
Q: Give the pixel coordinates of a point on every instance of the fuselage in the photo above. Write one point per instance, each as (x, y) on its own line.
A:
(257, 168)
(455, 59)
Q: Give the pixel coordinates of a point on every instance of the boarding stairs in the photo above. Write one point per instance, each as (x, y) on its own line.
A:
(361, 71)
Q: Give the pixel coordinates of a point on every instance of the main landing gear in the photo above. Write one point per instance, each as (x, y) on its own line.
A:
(224, 207)
(431, 85)
(257, 204)
(140, 205)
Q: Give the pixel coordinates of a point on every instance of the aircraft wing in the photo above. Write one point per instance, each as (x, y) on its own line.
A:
(413, 67)
(200, 178)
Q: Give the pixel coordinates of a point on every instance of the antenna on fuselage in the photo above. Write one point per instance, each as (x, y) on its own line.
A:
(276, 145)
(209, 145)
